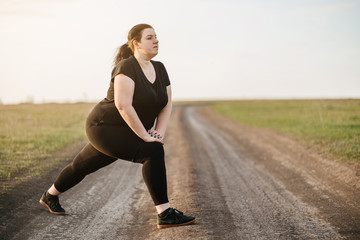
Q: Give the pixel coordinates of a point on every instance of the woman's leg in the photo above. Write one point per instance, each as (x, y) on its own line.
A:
(151, 155)
(162, 207)
(123, 143)
(53, 191)
(154, 173)
(87, 161)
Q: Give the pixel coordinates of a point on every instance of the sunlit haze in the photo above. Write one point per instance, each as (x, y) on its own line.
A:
(62, 50)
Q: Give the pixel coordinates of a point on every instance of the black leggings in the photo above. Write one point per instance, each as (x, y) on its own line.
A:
(109, 143)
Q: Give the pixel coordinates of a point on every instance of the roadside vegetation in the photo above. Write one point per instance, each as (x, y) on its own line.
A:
(30, 133)
(331, 127)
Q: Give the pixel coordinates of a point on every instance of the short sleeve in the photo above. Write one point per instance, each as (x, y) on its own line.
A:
(125, 67)
(165, 75)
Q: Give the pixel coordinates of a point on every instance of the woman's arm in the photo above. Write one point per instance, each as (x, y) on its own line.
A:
(164, 115)
(123, 95)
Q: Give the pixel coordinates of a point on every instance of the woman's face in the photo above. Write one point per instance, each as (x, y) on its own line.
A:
(148, 45)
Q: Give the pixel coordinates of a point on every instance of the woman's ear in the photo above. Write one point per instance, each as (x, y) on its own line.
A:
(135, 44)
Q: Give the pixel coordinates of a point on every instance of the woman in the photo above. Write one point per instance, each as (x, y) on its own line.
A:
(122, 126)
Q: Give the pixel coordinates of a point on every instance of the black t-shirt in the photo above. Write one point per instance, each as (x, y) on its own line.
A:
(148, 99)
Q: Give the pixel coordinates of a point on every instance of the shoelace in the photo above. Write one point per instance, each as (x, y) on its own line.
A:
(178, 215)
(178, 211)
(55, 203)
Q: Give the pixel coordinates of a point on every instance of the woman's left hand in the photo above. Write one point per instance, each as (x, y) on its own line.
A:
(156, 135)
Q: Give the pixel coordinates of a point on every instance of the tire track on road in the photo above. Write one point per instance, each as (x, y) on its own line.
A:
(97, 208)
(261, 206)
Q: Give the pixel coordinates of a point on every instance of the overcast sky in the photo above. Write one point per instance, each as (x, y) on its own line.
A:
(62, 50)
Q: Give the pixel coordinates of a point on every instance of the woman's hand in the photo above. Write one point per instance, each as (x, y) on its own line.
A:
(155, 134)
(153, 138)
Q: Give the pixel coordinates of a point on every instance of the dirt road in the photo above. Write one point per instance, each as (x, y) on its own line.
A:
(239, 182)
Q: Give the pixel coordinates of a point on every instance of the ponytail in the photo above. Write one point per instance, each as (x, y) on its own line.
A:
(123, 53)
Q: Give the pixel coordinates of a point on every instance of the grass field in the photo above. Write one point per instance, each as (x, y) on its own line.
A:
(332, 127)
(29, 133)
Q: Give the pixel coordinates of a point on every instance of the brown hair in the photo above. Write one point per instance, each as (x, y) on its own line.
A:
(127, 49)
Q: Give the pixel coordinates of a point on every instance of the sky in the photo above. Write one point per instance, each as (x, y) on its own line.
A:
(63, 50)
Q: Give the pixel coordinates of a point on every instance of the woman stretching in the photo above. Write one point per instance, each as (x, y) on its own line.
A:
(121, 126)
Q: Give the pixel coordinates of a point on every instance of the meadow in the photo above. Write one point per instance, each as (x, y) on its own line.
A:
(331, 127)
(30, 133)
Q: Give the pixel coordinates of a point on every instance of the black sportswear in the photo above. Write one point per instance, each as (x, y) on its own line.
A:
(111, 138)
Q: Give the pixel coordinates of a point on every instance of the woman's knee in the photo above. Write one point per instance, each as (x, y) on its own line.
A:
(158, 149)
(151, 151)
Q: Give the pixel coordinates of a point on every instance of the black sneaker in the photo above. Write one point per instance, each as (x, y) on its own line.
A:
(52, 203)
(172, 217)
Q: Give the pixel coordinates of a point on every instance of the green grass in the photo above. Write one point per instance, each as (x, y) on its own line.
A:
(332, 127)
(30, 133)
